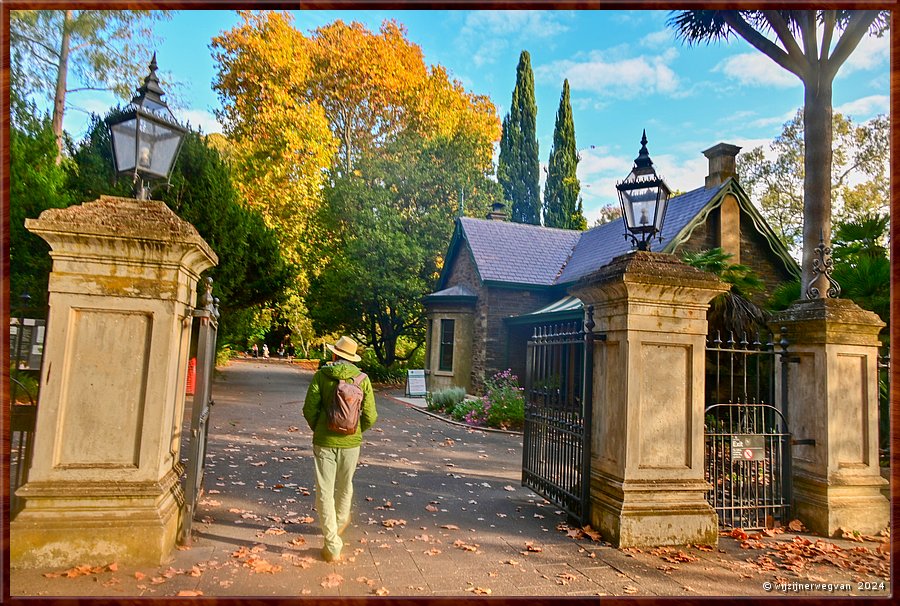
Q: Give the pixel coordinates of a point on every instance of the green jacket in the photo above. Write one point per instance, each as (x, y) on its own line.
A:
(321, 393)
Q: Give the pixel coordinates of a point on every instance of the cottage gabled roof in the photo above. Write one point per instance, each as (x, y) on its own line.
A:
(531, 255)
(517, 252)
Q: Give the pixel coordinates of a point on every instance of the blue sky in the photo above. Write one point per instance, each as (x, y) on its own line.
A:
(625, 69)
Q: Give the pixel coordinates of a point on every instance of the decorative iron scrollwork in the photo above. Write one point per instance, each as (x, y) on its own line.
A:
(823, 264)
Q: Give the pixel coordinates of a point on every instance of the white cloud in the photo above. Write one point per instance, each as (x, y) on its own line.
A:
(866, 107)
(871, 53)
(488, 33)
(622, 78)
(774, 120)
(756, 69)
(200, 120)
(527, 24)
(656, 39)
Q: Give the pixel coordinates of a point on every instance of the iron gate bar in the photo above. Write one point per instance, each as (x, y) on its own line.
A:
(207, 316)
(556, 444)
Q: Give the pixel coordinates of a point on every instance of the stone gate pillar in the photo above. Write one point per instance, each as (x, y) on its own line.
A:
(647, 465)
(103, 486)
(833, 413)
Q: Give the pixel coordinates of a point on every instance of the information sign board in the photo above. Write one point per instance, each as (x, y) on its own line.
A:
(415, 383)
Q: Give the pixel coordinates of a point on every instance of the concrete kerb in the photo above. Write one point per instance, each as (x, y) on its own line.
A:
(408, 404)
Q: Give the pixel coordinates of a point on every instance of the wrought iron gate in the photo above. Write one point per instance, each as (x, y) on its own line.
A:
(26, 352)
(556, 442)
(207, 317)
(748, 444)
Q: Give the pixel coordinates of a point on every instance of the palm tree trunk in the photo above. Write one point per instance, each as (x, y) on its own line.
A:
(59, 99)
(817, 162)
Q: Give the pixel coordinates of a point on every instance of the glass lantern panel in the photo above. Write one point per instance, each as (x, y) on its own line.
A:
(124, 139)
(661, 211)
(641, 208)
(158, 146)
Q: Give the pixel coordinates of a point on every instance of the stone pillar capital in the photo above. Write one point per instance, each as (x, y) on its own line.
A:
(672, 279)
(832, 321)
(125, 229)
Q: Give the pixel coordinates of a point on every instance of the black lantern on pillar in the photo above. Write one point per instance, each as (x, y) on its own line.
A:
(146, 137)
(643, 196)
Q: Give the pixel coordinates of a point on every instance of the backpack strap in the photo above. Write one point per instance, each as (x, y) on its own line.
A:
(358, 379)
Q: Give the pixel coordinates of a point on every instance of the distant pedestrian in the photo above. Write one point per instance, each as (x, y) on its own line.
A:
(255, 350)
(336, 454)
(265, 351)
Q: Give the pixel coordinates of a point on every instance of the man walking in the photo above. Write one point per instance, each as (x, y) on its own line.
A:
(336, 454)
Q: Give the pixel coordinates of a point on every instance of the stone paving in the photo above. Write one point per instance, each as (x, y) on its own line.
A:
(439, 510)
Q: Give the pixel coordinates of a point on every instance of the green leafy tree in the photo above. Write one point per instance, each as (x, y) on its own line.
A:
(562, 204)
(518, 168)
(251, 271)
(812, 45)
(104, 49)
(393, 210)
(36, 183)
(860, 180)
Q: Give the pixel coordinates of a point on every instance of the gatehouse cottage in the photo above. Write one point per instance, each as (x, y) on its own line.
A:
(502, 279)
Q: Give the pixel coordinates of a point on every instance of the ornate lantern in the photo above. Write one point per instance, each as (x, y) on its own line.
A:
(146, 137)
(643, 196)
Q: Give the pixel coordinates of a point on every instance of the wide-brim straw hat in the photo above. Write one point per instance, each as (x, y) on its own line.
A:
(345, 348)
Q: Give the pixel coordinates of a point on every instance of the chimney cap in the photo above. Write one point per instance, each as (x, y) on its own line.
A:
(498, 212)
(721, 149)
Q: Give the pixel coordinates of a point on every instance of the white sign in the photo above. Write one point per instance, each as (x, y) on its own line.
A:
(415, 382)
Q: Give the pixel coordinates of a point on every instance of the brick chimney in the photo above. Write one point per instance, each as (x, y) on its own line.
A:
(498, 212)
(721, 163)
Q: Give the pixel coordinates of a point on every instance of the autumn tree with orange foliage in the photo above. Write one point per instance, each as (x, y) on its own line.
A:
(361, 155)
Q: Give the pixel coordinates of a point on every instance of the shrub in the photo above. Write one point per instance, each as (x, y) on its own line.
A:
(224, 355)
(504, 402)
(378, 373)
(469, 411)
(445, 400)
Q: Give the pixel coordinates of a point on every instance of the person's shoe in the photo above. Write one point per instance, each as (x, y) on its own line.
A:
(329, 557)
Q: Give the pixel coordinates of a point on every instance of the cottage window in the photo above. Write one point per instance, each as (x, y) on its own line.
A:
(446, 347)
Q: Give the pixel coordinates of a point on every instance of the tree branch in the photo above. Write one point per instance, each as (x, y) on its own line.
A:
(761, 43)
(827, 33)
(784, 33)
(807, 24)
(856, 29)
(29, 39)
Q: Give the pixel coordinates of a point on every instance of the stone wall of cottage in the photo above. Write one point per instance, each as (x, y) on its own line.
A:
(465, 273)
(755, 251)
(503, 303)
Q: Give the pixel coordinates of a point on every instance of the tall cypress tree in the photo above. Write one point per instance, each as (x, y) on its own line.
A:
(518, 167)
(562, 206)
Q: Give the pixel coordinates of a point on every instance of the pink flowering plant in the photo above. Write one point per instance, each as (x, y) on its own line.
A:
(502, 406)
